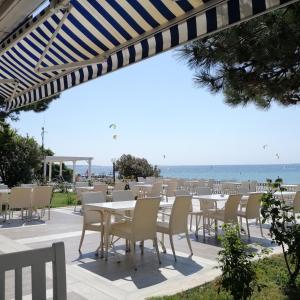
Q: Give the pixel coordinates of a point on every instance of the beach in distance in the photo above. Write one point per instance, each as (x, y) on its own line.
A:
(290, 173)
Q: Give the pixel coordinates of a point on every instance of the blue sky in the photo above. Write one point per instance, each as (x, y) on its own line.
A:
(159, 111)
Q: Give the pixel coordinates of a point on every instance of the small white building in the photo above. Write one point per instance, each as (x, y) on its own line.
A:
(61, 159)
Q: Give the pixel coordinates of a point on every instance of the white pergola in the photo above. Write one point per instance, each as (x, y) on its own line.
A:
(61, 159)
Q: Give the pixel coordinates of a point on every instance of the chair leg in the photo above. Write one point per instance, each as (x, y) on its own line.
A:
(248, 228)
(261, 232)
(203, 222)
(81, 239)
(157, 250)
(133, 256)
(142, 247)
(49, 212)
(197, 227)
(191, 221)
(216, 228)
(172, 246)
(189, 242)
(163, 246)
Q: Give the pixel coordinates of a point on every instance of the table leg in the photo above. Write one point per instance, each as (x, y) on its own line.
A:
(106, 233)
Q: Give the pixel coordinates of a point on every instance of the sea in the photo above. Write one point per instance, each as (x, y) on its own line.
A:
(290, 173)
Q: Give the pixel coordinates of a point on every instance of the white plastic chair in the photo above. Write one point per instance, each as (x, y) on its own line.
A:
(3, 187)
(296, 203)
(119, 186)
(4, 202)
(41, 198)
(141, 227)
(101, 188)
(20, 198)
(155, 190)
(178, 222)
(197, 213)
(229, 213)
(170, 189)
(252, 211)
(91, 219)
(122, 196)
(36, 259)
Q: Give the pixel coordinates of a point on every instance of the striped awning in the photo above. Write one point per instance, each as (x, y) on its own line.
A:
(74, 41)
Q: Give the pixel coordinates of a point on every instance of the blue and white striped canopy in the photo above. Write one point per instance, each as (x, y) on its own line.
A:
(74, 41)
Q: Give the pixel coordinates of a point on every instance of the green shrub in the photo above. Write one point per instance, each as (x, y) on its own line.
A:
(284, 229)
(238, 274)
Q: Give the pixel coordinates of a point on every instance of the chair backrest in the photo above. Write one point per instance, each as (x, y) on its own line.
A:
(296, 202)
(155, 190)
(3, 187)
(203, 191)
(231, 207)
(145, 218)
(119, 186)
(181, 193)
(205, 205)
(41, 196)
(245, 185)
(141, 179)
(81, 184)
(171, 188)
(253, 185)
(253, 206)
(36, 259)
(101, 188)
(3, 199)
(90, 216)
(20, 197)
(243, 190)
(122, 195)
(179, 214)
(92, 197)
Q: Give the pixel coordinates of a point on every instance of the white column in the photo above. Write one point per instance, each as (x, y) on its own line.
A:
(90, 169)
(60, 169)
(74, 170)
(50, 171)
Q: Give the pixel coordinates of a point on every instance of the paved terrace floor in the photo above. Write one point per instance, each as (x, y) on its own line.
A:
(89, 277)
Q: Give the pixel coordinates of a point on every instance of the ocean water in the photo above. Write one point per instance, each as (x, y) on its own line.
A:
(290, 173)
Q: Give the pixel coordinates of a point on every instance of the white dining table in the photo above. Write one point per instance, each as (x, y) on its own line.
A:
(107, 209)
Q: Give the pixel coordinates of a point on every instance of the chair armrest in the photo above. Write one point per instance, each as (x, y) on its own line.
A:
(163, 213)
(122, 216)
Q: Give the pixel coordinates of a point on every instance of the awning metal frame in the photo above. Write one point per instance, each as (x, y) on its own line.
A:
(14, 82)
(101, 58)
(55, 5)
(67, 10)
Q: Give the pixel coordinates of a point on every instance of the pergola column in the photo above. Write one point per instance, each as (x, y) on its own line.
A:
(60, 169)
(50, 171)
(89, 169)
(74, 170)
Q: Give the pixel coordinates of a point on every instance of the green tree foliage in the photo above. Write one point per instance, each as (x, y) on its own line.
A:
(20, 157)
(238, 274)
(284, 229)
(130, 166)
(257, 61)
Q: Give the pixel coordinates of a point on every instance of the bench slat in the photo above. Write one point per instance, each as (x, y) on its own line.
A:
(18, 284)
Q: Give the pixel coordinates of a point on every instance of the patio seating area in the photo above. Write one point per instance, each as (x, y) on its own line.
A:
(125, 275)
